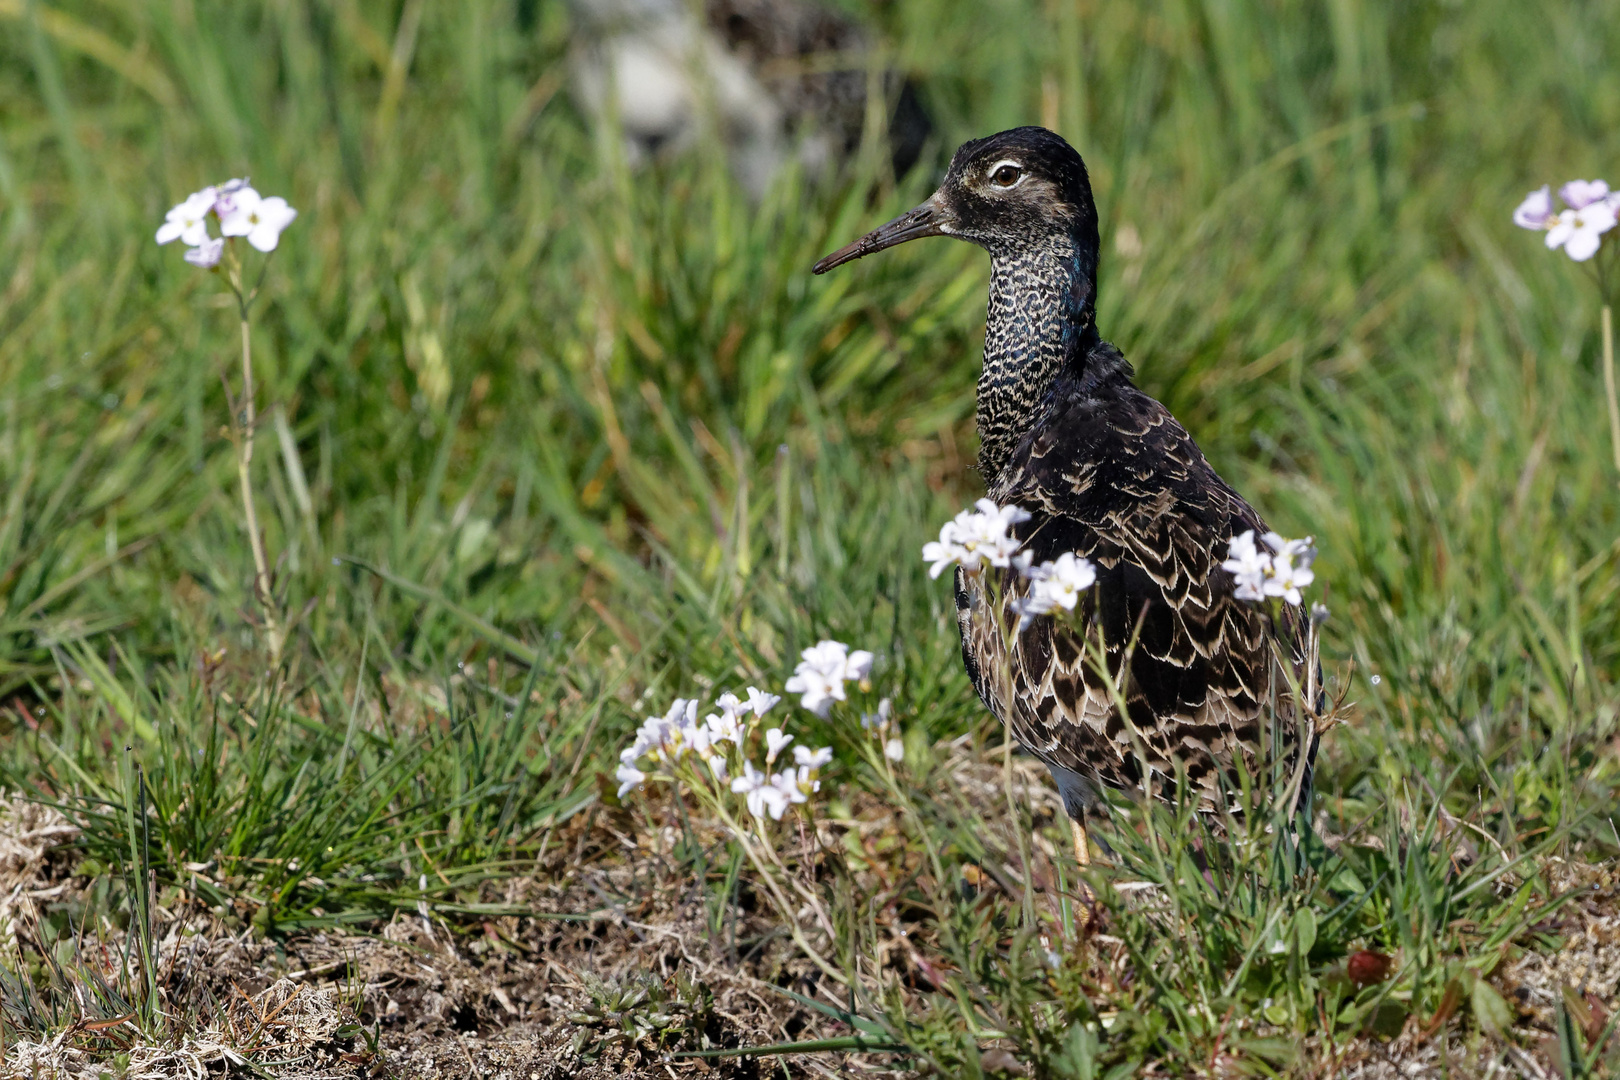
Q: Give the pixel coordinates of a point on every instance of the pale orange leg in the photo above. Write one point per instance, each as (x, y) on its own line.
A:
(1082, 858)
(1082, 849)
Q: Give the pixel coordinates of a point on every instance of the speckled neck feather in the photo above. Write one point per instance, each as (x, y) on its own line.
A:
(1040, 323)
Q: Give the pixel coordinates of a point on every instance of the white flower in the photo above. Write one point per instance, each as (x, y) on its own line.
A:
(1290, 567)
(667, 737)
(774, 742)
(818, 689)
(207, 253)
(629, 778)
(189, 220)
(724, 726)
(944, 551)
(977, 536)
(894, 750)
(225, 196)
(806, 758)
(1056, 583)
(1536, 209)
(259, 219)
(1580, 194)
(1248, 566)
(788, 784)
(762, 796)
(1281, 571)
(1578, 231)
(879, 719)
(821, 674)
(699, 739)
(807, 780)
(759, 702)
(1319, 614)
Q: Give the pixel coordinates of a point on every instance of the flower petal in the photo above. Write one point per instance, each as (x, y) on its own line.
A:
(1580, 194)
(1535, 210)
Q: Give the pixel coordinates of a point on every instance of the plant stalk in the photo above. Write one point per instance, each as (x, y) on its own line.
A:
(244, 471)
(1608, 382)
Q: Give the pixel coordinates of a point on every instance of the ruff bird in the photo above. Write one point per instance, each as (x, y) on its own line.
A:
(1106, 472)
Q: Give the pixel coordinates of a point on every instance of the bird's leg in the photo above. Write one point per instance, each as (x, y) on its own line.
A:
(1082, 849)
(1082, 858)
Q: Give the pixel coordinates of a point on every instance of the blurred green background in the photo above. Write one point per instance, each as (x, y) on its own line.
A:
(607, 411)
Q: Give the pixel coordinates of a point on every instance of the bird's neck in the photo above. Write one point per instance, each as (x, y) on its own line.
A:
(1040, 321)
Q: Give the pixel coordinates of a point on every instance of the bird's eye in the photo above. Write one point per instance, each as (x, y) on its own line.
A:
(1006, 174)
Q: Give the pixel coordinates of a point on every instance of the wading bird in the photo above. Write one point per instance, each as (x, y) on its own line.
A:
(1106, 472)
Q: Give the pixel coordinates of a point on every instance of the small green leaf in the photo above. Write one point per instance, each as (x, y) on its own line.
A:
(1345, 881)
(1491, 1009)
(1305, 930)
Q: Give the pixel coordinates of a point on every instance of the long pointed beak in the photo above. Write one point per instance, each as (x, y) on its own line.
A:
(929, 219)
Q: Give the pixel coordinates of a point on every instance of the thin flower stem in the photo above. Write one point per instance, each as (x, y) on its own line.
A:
(767, 869)
(244, 472)
(1010, 644)
(789, 914)
(1608, 382)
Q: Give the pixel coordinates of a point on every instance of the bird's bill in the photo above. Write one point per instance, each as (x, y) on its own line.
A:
(929, 219)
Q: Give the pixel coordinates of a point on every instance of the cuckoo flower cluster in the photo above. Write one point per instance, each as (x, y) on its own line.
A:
(982, 535)
(240, 211)
(1590, 210)
(975, 537)
(722, 752)
(1272, 567)
(823, 670)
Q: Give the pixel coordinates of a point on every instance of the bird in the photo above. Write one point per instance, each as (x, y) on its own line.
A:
(1105, 471)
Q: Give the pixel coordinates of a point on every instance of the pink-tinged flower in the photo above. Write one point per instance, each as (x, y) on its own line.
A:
(259, 219)
(225, 196)
(1536, 209)
(1579, 232)
(667, 737)
(1579, 194)
(189, 220)
(207, 253)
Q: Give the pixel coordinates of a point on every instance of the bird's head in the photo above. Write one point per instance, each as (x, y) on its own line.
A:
(1015, 192)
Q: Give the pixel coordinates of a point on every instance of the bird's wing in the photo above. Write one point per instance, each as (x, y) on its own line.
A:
(1120, 482)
